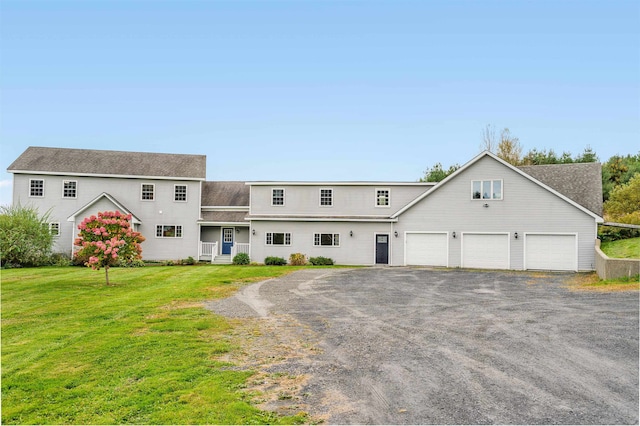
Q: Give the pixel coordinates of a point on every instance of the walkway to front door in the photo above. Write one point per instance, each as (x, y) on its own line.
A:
(227, 240)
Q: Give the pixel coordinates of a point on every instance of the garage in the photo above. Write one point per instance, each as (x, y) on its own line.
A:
(485, 250)
(552, 252)
(427, 248)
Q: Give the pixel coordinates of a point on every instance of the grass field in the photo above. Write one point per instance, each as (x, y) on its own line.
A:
(623, 249)
(143, 350)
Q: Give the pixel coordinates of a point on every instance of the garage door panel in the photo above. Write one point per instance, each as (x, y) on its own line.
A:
(485, 251)
(551, 252)
(427, 249)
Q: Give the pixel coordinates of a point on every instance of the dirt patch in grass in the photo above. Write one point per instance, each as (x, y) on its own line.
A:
(591, 282)
(270, 347)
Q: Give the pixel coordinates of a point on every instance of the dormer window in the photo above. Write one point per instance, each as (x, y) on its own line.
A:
(486, 189)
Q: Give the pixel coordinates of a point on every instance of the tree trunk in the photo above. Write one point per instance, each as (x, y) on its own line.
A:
(106, 273)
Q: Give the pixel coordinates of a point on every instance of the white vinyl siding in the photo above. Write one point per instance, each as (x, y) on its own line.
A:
(147, 192)
(36, 188)
(553, 252)
(427, 249)
(69, 189)
(180, 193)
(485, 251)
(168, 231)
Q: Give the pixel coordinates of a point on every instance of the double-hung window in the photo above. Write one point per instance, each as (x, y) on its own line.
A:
(383, 197)
(180, 193)
(69, 189)
(36, 188)
(148, 192)
(277, 197)
(326, 197)
(278, 238)
(168, 231)
(54, 228)
(326, 239)
(486, 189)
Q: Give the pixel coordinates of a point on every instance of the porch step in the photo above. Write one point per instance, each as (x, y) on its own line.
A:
(224, 259)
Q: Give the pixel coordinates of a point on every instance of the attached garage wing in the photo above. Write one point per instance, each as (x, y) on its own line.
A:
(485, 250)
(427, 249)
(552, 252)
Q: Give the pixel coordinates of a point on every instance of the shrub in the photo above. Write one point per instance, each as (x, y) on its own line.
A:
(189, 261)
(60, 259)
(275, 261)
(318, 261)
(25, 239)
(298, 259)
(136, 263)
(241, 259)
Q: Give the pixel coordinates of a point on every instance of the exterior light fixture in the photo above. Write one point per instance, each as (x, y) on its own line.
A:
(454, 234)
(485, 205)
(351, 233)
(515, 234)
(253, 232)
(396, 234)
(238, 230)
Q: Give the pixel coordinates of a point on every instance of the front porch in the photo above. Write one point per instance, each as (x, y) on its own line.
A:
(221, 243)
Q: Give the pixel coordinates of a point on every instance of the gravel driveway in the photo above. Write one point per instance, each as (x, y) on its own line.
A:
(420, 346)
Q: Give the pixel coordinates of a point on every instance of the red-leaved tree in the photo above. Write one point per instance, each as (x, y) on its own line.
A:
(107, 238)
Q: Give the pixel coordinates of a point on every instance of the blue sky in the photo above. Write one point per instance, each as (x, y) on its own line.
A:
(318, 90)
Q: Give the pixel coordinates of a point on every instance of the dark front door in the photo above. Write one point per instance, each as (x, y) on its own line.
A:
(227, 240)
(382, 249)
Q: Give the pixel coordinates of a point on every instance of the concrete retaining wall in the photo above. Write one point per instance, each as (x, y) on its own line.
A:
(608, 268)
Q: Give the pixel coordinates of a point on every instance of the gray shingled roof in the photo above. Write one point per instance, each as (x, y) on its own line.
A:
(88, 161)
(225, 193)
(581, 182)
(225, 217)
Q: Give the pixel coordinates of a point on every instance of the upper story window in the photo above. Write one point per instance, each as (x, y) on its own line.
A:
(54, 228)
(383, 197)
(326, 197)
(326, 239)
(36, 188)
(168, 231)
(180, 193)
(486, 189)
(278, 238)
(148, 192)
(277, 197)
(69, 189)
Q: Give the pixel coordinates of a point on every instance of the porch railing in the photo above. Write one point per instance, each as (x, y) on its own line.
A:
(239, 248)
(208, 249)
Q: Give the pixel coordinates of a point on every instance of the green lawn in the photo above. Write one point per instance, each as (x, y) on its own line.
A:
(624, 249)
(75, 351)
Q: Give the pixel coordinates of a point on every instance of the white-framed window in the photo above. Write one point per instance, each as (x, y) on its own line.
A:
(278, 238)
(486, 189)
(148, 192)
(326, 197)
(54, 228)
(180, 193)
(277, 196)
(326, 240)
(168, 231)
(69, 189)
(36, 188)
(383, 197)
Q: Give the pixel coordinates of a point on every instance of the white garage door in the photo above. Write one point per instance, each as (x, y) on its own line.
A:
(427, 249)
(551, 252)
(486, 251)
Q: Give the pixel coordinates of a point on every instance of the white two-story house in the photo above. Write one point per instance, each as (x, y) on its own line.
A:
(488, 214)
